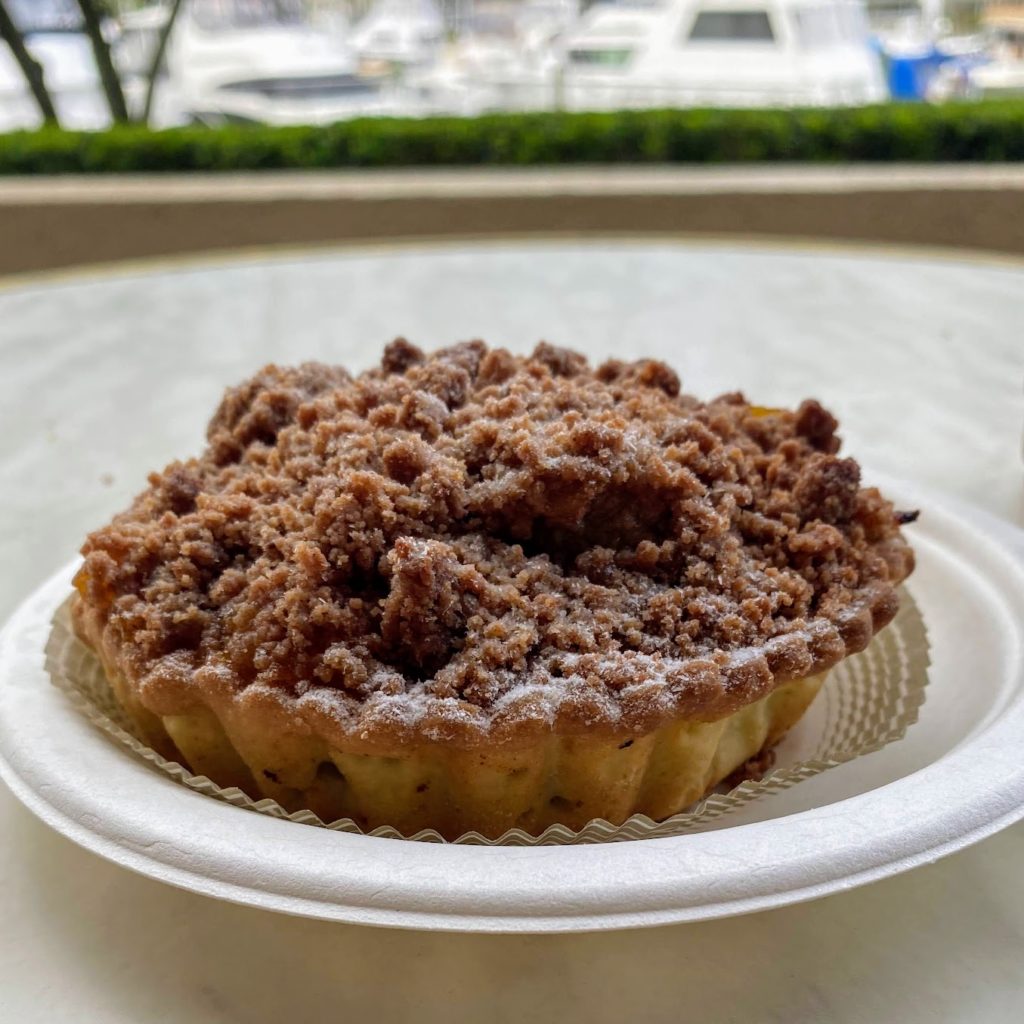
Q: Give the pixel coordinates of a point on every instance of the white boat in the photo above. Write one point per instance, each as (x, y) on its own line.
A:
(506, 57)
(723, 53)
(54, 37)
(264, 61)
(399, 33)
(1004, 76)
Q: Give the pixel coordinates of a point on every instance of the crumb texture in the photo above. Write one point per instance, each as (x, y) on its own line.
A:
(480, 538)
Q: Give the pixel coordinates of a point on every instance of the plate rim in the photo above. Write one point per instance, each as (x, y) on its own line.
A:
(366, 885)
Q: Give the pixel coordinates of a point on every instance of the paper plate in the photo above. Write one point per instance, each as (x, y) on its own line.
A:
(957, 776)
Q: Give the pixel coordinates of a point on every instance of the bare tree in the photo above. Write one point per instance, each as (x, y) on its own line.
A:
(104, 63)
(158, 58)
(30, 67)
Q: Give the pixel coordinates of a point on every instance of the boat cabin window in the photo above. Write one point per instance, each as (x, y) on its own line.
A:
(610, 58)
(220, 15)
(732, 27)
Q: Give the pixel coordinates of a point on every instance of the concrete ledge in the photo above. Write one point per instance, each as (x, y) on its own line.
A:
(50, 223)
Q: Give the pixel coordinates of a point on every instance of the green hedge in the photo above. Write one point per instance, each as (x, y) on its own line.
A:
(986, 131)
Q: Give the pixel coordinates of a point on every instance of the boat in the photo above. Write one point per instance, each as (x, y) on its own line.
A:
(924, 60)
(265, 62)
(54, 37)
(1004, 75)
(506, 56)
(399, 34)
(722, 53)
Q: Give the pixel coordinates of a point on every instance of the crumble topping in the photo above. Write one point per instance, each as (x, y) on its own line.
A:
(471, 525)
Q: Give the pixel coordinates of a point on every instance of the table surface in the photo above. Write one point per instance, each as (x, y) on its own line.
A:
(105, 376)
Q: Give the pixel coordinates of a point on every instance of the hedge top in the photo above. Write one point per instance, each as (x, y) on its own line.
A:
(983, 131)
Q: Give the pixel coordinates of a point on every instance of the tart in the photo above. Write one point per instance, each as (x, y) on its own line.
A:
(472, 591)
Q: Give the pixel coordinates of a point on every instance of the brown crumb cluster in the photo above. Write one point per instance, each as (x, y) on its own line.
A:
(454, 525)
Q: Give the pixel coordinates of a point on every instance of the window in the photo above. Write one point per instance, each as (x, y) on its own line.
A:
(600, 58)
(732, 27)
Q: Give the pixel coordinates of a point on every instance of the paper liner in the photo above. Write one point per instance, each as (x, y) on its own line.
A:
(869, 700)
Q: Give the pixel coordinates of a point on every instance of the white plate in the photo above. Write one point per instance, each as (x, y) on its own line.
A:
(956, 777)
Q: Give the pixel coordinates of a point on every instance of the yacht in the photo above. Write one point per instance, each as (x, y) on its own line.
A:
(1004, 76)
(924, 60)
(722, 53)
(506, 57)
(54, 37)
(264, 61)
(399, 33)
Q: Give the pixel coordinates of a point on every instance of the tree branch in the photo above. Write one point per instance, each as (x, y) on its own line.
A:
(158, 59)
(30, 67)
(104, 64)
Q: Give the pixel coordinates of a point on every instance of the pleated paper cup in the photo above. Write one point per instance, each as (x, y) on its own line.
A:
(868, 701)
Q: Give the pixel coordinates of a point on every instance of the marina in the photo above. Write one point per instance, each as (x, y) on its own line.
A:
(282, 62)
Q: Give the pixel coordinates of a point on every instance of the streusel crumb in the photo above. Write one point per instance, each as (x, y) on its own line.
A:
(460, 524)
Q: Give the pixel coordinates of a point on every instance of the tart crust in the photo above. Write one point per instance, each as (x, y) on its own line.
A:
(558, 778)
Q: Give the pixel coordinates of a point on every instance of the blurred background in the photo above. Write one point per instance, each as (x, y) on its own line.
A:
(791, 196)
(279, 62)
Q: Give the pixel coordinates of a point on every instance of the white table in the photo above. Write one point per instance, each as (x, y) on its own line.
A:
(923, 361)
